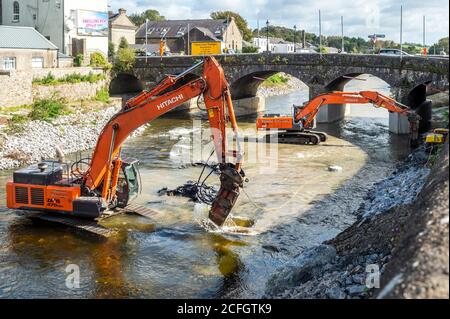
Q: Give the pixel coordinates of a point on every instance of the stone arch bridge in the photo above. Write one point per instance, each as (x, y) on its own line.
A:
(409, 77)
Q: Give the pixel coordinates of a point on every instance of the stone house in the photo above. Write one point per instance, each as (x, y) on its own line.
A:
(179, 34)
(120, 26)
(23, 48)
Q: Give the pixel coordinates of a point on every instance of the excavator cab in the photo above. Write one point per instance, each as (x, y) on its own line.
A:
(129, 184)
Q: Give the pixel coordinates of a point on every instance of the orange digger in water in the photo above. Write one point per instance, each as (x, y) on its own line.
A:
(92, 187)
(296, 129)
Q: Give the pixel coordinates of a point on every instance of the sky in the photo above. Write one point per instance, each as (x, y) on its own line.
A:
(361, 17)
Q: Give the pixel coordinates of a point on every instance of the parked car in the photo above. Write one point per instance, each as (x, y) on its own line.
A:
(396, 52)
(141, 53)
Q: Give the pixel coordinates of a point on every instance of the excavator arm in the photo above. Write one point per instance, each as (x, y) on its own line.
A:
(307, 114)
(102, 175)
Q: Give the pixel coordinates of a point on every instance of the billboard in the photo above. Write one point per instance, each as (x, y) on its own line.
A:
(92, 23)
(206, 48)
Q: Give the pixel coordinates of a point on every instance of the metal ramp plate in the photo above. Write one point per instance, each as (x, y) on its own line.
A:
(140, 210)
(84, 225)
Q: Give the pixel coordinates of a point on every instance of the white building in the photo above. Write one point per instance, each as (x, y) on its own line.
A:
(276, 45)
(283, 47)
(261, 44)
(74, 26)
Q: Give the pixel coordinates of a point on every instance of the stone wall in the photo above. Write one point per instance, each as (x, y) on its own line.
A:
(16, 87)
(69, 92)
(62, 72)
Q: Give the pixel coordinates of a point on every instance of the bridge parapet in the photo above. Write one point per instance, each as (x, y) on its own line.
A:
(322, 73)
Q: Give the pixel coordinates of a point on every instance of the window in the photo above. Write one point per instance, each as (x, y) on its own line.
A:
(16, 11)
(37, 62)
(9, 63)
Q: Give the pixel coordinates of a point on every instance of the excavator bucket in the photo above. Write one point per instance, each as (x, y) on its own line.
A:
(230, 182)
(414, 121)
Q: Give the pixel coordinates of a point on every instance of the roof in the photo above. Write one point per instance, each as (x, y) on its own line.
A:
(206, 32)
(177, 28)
(12, 37)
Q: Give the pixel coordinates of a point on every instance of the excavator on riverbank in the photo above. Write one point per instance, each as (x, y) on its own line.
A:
(296, 129)
(82, 192)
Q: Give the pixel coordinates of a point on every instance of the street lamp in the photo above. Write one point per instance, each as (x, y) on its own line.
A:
(267, 34)
(295, 31)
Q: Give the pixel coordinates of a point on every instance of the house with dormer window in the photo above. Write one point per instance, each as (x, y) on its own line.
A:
(180, 34)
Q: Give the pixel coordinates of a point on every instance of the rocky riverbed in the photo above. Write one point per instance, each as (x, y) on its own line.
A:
(36, 140)
(393, 219)
(281, 89)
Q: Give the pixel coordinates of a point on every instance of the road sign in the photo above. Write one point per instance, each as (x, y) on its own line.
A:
(206, 48)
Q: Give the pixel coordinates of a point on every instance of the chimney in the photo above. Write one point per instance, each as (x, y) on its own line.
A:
(122, 11)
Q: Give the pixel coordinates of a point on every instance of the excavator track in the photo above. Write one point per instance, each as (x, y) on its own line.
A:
(90, 226)
(323, 136)
(297, 138)
(139, 210)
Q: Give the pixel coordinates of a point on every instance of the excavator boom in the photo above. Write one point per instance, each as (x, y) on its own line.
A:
(100, 185)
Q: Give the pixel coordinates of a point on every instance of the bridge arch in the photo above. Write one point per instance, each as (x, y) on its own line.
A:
(247, 85)
(125, 83)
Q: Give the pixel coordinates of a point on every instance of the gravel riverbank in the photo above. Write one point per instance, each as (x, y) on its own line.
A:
(393, 219)
(281, 89)
(36, 140)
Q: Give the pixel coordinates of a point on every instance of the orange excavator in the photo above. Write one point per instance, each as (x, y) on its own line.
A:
(92, 187)
(296, 129)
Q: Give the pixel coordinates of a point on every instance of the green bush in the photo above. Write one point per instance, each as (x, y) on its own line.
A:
(111, 50)
(78, 60)
(102, 95)
(49, 79)
(276, 79)
(124, 60)
(47, 109)
(249, 49)
(98, 60)
(123, 43)
(18, 119)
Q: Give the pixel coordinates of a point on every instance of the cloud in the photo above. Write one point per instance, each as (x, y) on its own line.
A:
(361, 17)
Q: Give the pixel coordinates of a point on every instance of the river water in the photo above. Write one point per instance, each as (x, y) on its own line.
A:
(295, 203)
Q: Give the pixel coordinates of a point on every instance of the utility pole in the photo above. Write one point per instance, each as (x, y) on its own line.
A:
(295, 31)
(189, 41)
(320, 33)
(304, 39)
(424, 37)
(342, 34)
(401, 32)
(146, 41)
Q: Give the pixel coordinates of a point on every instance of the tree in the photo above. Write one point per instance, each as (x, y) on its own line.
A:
(123, 44)
(240, 22)
(249, 49)
(150, 14)
(111, 50)
(125, 59)
(443, 45)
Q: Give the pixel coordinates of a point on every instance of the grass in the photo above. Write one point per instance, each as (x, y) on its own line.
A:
(47, 109)
(276, 80)
(102, 95)
(14, 109)
(16, 123)
(50, 79)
